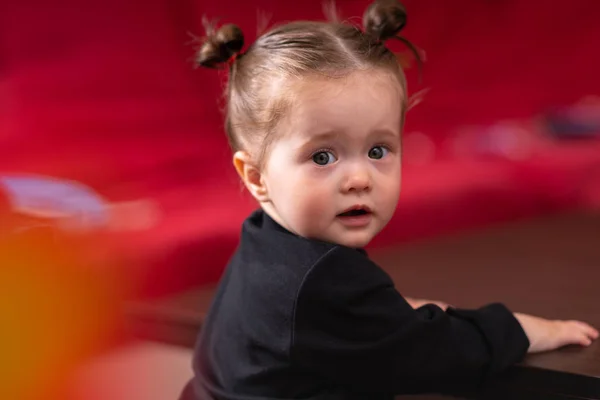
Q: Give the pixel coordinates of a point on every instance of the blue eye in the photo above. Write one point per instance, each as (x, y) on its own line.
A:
(323, 158)
(378, 152)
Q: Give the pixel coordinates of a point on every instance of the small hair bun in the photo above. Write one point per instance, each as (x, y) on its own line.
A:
(383, 19)
(220, 46)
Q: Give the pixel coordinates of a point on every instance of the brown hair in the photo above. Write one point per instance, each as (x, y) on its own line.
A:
(292, 50)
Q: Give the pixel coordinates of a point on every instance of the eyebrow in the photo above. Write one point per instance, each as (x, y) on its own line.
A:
(330, 135)
(327, 136)
(385, 132)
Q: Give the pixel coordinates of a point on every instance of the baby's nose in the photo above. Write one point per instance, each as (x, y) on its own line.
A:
(357, 180)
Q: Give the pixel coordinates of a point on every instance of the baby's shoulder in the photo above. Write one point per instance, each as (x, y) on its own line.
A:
(285, 252)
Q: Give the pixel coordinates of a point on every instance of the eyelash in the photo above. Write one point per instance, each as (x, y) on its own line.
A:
(328, 149)
(323, 150)
(385, 146)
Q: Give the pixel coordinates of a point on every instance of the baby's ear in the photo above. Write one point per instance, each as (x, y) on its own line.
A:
(251, 175)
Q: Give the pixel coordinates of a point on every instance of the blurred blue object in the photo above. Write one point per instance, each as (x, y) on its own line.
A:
(579, 121)
(51, 198)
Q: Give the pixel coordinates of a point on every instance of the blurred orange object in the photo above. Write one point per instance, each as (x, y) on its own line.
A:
(58, 307)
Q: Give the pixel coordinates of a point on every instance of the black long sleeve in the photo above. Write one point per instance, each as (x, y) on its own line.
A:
(354, 328)
(297, 318)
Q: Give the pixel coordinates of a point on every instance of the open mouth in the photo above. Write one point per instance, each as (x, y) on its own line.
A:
(355, 212)
(358, 216)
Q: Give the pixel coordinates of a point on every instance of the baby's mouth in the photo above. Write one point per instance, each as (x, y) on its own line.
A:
(356, 217)
(354, 213)
(358, 210)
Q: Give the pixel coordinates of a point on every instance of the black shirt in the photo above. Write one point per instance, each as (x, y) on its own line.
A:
(302, 319)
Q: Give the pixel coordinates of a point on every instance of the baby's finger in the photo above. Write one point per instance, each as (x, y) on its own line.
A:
(585, 341)
(589, 330)
(592, 332)
(573, 333)
(576, 338)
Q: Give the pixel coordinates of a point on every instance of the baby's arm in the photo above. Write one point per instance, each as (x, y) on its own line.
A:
(543, 334)
(352, 327)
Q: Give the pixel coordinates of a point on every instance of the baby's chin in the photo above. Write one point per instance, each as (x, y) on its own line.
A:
(356, 241)
(356, 244)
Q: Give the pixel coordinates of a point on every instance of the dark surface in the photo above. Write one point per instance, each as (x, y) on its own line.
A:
(547, 267)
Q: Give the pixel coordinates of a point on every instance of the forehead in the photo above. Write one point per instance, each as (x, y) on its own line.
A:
(362, 101)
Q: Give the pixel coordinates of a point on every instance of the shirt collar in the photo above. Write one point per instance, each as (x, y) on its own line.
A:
(269, 223)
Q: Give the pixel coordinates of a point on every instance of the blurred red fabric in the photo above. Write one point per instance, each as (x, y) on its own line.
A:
(104, 92)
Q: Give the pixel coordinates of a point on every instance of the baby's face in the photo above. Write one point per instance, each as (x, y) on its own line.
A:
(333, 173)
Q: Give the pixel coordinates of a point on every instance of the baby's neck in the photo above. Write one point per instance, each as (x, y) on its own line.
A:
(272, 213)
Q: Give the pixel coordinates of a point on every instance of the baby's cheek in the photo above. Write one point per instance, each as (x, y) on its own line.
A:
(314, 201)
(386, 199)
(314, 205)
(392, 185)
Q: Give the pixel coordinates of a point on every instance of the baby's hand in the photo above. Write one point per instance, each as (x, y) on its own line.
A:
(416, 303)
(545, 335)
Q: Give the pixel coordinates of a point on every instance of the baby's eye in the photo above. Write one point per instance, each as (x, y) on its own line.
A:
(378, 152)
(323, 158)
